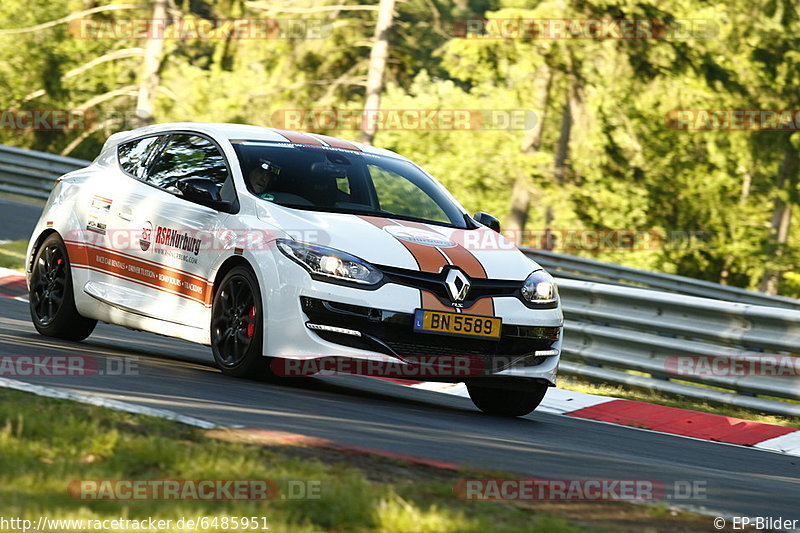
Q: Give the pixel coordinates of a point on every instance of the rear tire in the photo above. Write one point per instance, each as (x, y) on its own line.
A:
(507, 402)
(51, 296)
(237, 326)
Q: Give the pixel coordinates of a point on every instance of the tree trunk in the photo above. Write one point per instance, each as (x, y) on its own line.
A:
(567, 121)
(149, 78)
(520, 203)
(785, 182)
(747, 184)
(531, 143)
(377, 67)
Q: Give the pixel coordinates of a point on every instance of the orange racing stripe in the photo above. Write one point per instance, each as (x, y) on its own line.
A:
(483, 307)
(428, 258)
(466, 261)
(161, 278)
(300, 137)
(145, 261)
(457, 254)
(84, 267)
(432, 259)
(431, 301)
(338, 143)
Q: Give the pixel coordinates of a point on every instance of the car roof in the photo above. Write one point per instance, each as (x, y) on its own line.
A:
(244, 132)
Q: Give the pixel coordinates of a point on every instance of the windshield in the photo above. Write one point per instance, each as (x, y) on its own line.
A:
(337, 181)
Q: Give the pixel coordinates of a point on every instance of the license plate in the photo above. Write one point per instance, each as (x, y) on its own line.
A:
(457, 324)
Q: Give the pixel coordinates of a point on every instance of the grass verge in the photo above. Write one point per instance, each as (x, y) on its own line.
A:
(22, 198)
(45, 444)
(571, 383)
(12, 255)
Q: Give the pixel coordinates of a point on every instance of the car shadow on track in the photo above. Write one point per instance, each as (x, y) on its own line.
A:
(189, 366)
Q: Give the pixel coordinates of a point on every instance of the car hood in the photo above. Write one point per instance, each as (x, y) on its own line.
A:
(403, 244)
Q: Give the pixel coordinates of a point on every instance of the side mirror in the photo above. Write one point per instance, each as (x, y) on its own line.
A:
(201, 191)
(487, 220)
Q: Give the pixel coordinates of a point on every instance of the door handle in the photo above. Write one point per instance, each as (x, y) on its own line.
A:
(125, 214)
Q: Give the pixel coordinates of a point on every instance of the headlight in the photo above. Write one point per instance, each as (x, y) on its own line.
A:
(540, 288)
(335, 264)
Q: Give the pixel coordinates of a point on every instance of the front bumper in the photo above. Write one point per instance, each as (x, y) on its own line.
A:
(392, 333)
(529, 346)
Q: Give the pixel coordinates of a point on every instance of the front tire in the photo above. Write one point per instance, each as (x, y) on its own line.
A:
(507, 402)
(237, 326)
(51, 296)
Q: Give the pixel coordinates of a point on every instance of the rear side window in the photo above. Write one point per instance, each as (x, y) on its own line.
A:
(133, 156)
(187, 156)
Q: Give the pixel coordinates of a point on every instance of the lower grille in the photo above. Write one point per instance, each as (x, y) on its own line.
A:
(393, 334)
(412, 349)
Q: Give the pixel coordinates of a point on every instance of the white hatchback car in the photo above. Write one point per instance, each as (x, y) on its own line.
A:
(276, 247)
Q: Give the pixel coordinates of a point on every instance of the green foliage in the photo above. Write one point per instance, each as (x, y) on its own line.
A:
(46, 444)
(12, 254)
(709, 194)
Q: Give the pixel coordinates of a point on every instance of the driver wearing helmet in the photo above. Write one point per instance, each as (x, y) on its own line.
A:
(263, 177)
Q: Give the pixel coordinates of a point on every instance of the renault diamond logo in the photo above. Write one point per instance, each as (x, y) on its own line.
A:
(457, 285)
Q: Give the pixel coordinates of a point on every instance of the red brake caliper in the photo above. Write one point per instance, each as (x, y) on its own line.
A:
(251, 327)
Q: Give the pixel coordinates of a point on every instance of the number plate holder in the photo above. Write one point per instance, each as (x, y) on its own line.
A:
(457, 324)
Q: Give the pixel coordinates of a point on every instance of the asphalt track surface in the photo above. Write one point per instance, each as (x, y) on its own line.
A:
(179, 376)
(17, 219)
(176, 375)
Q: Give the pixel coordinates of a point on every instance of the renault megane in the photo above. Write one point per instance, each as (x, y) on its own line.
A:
(280, 246)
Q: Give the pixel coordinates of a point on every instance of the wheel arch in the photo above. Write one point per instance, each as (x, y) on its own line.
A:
(228, 265)
(36, 245)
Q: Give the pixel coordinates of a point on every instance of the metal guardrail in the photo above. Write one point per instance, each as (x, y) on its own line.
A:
(580, 268)
(31, 173)
(613, 330)
(614, 333)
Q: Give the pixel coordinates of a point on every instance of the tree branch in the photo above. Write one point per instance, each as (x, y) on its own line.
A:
(86, 134)
(111, 56)
(346, 78)
(73, 16)
(304, 10)
(128, 90)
